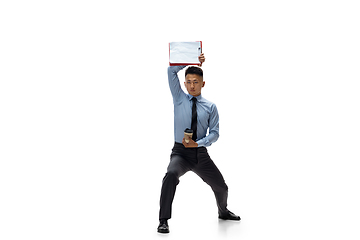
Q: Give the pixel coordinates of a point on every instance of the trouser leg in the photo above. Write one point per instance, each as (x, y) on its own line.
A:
(178, 166)
(207, 170)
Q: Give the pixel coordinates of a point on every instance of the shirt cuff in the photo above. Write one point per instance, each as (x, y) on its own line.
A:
(201, 143)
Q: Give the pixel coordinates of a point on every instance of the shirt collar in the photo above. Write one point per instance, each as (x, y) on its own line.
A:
(198, 98)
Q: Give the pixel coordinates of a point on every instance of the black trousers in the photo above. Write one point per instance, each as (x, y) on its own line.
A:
(197, 160)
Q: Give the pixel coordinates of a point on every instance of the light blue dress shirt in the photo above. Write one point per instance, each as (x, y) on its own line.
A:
(208, 117)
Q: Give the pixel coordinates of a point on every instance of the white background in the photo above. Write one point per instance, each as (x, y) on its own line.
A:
(86, 121)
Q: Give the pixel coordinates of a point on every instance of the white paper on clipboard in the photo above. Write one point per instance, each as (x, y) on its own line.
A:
(185, 52)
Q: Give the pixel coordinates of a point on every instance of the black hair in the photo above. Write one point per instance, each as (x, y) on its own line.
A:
(194, 70)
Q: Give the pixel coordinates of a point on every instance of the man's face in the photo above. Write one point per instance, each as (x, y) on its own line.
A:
(193, 84)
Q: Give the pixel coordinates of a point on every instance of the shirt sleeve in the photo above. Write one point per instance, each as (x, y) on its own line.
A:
(174, 83)
(213, 129)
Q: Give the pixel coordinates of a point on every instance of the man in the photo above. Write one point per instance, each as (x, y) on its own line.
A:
(194, 112)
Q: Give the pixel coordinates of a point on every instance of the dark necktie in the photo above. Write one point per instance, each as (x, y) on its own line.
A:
(194, 119)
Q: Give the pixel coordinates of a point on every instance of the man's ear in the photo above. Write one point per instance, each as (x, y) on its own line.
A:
(203, 84)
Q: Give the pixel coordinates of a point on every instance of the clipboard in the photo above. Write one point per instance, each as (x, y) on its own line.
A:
(184, 53)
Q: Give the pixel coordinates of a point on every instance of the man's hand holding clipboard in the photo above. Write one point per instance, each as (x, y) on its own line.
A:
(201, 59)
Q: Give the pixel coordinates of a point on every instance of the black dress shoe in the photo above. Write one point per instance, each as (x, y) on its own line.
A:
(163, 227)
(230, 216)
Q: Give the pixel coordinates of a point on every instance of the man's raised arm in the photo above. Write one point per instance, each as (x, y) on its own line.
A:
(174, 82)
